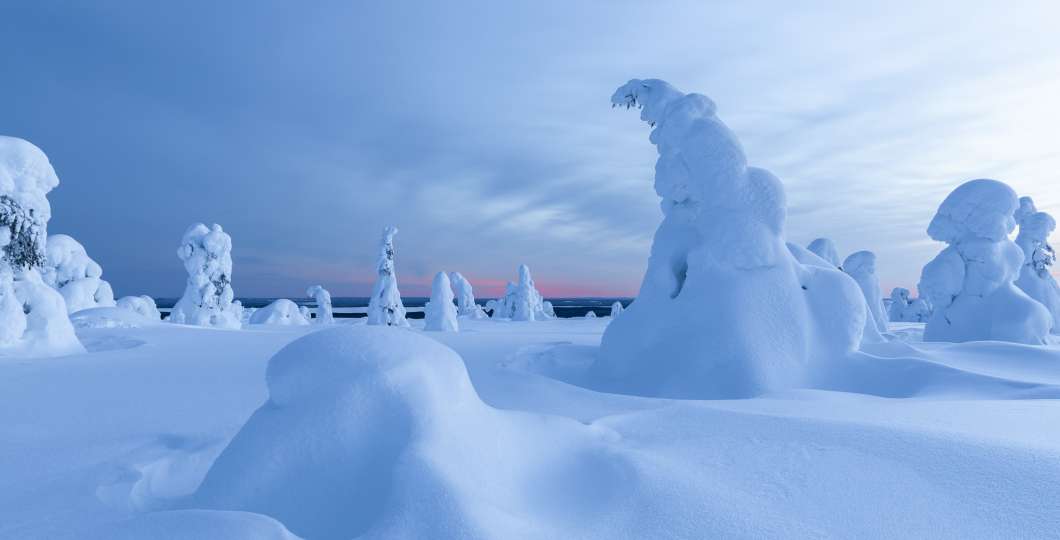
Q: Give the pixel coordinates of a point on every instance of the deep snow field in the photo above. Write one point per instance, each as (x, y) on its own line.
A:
(374, 432)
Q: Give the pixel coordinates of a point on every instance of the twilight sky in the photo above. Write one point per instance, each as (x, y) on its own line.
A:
(483, 129)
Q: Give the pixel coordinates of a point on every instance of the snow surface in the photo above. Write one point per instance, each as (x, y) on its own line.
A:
(208, 296)
(970, 284)
(725, 308)
(385, 307)
(440, 311)
(1035, 278)
(280, 312)
(323, 299)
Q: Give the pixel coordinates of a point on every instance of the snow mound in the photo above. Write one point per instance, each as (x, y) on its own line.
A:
(208, 297)
(440, 310)
(1035, 276)
(110, 317)
(970, 284)
(522, 301)
(75, 275)
(465, 298)
(861, 266)
(280, 312)
(323, 299)
(725, 308)
(143, 304)
(825, 249)
(385, 307)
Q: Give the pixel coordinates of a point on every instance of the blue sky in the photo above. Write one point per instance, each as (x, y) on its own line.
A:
(483, 129)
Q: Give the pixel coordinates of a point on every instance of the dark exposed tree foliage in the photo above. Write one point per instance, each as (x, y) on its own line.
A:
(26, 248)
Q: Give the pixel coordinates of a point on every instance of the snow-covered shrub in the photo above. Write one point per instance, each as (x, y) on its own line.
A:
(385, 307)
(970, 284)
(1035, 278)
(861, 265)
(440, 310)
(323, 300)
(903, 308)
(725, 309)
(281, 312)
(616, 309)
(825, 249)
(33, 316)
(465, 298)
(208, 297)
(522, 301)
(590, 314)
(144, 305)
(75, 275)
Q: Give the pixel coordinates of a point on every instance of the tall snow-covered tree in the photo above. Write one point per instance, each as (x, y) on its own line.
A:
(1035, 277)
(440, 310)
(323, 300)
(75, 275)
(385, 307)
(208, 298)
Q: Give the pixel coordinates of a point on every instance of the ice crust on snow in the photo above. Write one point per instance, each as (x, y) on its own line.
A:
(75, 275)
(323, 299)
(385, 307)
(465, 297)
(1035, 276)
(208, 297)
(34, 319)
(970, 284)
(522, 301)
(861, 265)
(725, 309)
(280, 312)
(825, 249)
(440, 311)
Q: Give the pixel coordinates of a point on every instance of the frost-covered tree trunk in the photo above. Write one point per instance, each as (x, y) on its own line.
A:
(385, 307)
(441, 311)
(323, 300)
(208, 298)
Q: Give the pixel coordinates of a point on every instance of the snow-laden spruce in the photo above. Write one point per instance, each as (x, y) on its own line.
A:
(1035, 278)
(440, 310)
(33, 317)
(970, 284)
(385, 307)
(323, 299)
(465, 297)
(282, 312)
(69, 269)
(904, 308)
(825, 249)
(725, 309)
(616, 309)
(861, 265)
(522, 301)
(144, 305)
(208, 297)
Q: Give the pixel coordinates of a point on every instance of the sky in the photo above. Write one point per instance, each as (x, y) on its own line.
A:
(484, 132)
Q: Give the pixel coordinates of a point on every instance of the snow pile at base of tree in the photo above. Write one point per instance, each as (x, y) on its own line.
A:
(323, 299)
(34, 320)
(143, 304)
(1035, 277)
(208, 297)
(465, 298)
(385, 307)
(75, 275)
(861, 265)
(522, 301)
(725, 309)
(440, 310)
(970, 284)
(826, 250)
(279, 312)
(616, 309)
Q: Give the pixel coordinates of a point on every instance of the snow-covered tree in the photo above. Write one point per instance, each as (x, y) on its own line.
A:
(861, 266)
(1035, 278)
(590, 314)
(144, 305)
(385, 307)
(616, 309)
(825, 249)
(281, 312)
(522, 301)
(465, 298)
(70, 270)
(323, 300)
(971, 283)
(903, 308)
(33, 317)
(440, 310)
(725, 309)
(208, 296)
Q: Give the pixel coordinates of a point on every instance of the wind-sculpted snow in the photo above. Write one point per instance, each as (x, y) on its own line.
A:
(385, 307)
(861, 266)
(440, 310)
(208, 296)
(725, 309)
(522, 301)
(970, 284)
(33, 316)
(903, 308)
(825, 249)
(465, 297)
(75, 275)
(323, 300)
(279, 312)
(1035, 276)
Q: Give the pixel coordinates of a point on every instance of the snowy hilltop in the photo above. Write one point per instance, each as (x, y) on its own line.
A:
(208, 296)
(725, 309)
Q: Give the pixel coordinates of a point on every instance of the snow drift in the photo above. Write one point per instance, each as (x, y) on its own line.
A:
(725, 309)
(970, 284)
(208, 296)
(385, 307)
(279, 312)
(1035, 278)
(75, 275)
(440, 310)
